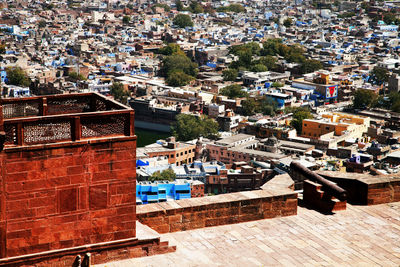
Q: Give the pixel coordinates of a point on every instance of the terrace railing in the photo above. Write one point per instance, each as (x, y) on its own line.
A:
(62, 118)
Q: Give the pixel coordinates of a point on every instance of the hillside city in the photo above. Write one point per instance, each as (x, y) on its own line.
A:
(227, 97)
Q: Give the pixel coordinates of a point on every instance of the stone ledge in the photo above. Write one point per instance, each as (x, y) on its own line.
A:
(103, 139)
(222, 209)
(366, 189)
(146, 243)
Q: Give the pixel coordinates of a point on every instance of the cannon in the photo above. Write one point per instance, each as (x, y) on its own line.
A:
(297, 169)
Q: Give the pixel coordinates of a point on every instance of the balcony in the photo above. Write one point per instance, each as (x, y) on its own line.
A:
(63, 118)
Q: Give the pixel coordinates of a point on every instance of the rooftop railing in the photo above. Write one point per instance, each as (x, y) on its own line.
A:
(62, 118)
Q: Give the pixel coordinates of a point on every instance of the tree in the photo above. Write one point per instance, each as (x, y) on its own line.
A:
(189, 127)
(179, 5)
(209, 9)
(277, 84)
(76, 77)
(178, 78)
(394, 101)
(236, 8)
(195, 7)
(258, 68)
(389, 18)
(252, 47)
(165, 175)
(42, 24)
(178, 62)
(268, 61)
(379, 75)
(126, 19)
(118, 92)
(230, 74)
(233, 91)
(364, 99)
(288, 22)
(300, 114)
(264, 105)
(17, 76)
(249, 106)
(183, 21)
(2, 48)
(164, 6)
(310, 65)
(171, 49)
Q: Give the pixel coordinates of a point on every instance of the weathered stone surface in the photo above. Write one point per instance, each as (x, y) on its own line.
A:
(223, 209)
(66, 195)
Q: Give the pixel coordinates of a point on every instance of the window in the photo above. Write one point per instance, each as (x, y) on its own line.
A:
(305, 124)
(327, 127)
(185, 152)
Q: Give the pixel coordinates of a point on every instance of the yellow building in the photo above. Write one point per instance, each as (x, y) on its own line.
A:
(336, 124)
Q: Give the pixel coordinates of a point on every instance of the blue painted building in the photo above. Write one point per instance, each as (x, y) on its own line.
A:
(161, 191)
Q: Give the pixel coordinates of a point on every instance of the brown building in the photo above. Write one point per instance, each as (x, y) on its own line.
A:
(68, 174)
(178, 153)
(241, 177)
(197, 189)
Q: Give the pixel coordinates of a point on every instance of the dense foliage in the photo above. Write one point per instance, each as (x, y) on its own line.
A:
(177, 64)
(368, 99)
(379, 75)
(76, 77)
(126, 19)
(171, 49)
(178, 78)
(235, 8)
(288, 22)
(299, 114)
(17, 76)
(165, 175)
(264, 105)
(230, 74)
(258, 58)
(189, 127)
(183, 21)
(233, 91)
(164, 6)
(118, 92)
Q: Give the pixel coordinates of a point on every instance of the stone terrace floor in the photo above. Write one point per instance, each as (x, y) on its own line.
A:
(358, 236)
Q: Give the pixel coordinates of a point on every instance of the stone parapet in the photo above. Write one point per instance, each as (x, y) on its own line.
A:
(222, 209)
(366, 189)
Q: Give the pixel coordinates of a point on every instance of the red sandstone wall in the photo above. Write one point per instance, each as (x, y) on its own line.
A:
(67, 195)
(380, 193)
(197, 190)
(223, 209)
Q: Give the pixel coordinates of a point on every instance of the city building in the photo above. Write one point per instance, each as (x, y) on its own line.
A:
(336, 124)
(178, 153)
(324, 91)
(161, 191)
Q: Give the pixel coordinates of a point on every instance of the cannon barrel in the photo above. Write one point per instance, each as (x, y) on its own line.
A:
(327, 185)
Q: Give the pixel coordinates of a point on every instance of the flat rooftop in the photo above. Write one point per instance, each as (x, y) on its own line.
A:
(358, 236)
(233, 139)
